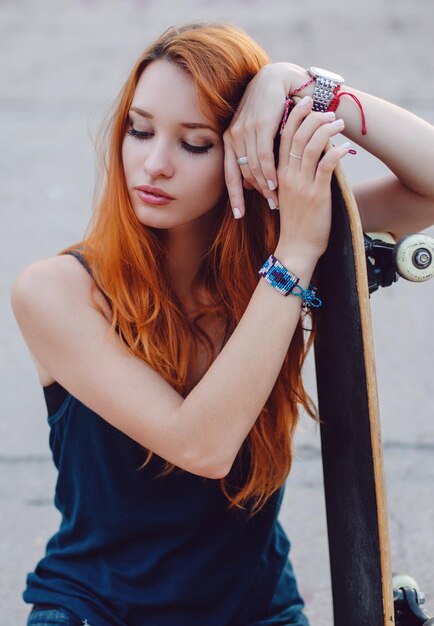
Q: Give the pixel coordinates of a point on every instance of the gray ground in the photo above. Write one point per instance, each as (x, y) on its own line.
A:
(61, 65)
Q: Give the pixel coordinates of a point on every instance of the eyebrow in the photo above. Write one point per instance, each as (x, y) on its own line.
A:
(191, 125)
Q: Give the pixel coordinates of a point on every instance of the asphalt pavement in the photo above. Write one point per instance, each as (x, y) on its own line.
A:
(61, 66)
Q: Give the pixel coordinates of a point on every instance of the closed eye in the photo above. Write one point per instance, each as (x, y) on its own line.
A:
(138, 134)
(143, 135)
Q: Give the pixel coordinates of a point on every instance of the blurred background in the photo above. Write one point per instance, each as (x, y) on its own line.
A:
(62, 63)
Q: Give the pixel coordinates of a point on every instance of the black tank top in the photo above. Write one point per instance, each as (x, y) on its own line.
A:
(135, 549)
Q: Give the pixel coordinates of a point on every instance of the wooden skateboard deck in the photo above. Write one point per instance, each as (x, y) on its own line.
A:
(351, 443)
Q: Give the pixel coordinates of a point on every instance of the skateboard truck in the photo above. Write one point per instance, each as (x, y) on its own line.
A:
(411, 257)
(408, 611)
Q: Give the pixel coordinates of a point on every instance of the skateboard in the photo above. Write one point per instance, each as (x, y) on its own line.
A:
(354, 266)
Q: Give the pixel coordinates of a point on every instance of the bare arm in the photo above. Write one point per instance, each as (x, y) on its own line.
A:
(52, 304)
(386, 204)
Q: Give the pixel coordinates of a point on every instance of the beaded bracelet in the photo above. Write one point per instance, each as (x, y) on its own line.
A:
(286, 282)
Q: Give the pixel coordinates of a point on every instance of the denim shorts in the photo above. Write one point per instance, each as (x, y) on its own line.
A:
(53, 616)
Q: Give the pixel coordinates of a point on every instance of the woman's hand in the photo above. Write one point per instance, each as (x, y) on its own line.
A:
(253, 128)
(251, 133)
(304, 178)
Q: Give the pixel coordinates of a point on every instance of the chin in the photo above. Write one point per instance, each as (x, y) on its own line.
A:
(152, 216)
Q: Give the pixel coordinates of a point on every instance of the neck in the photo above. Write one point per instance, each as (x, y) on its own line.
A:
(186, 248)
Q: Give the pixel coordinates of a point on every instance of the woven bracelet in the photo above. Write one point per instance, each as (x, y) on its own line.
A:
(279, 277)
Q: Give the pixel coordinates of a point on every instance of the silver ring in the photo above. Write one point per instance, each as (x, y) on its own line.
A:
(242, 160)
(296, 156)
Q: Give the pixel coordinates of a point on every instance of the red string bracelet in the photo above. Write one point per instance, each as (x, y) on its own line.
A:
(335, 103)
(290, 102)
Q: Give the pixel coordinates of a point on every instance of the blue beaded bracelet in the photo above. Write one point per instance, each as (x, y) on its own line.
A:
(286, 282)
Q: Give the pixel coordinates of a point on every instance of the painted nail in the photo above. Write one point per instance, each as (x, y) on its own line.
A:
(237, 213)
(271, 185)
(346, 145)
(305, 101)
(272, 204)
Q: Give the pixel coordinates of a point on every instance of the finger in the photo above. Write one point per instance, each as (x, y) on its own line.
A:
(265, 144)
(247, 169)
(328, 163)
(306, 130)
(295, 119)
(259, 181)
(247, 185)
(234, 137)
(234, 181)
(233, 141)
(315, 147)
(249, 181)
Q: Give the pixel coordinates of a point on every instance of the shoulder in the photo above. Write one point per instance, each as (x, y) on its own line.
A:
(53, 270)
(50, 281)
(46, 279)
(40, 292)
(56, 303)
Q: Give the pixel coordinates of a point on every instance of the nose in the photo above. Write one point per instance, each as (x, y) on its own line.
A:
(159, 159)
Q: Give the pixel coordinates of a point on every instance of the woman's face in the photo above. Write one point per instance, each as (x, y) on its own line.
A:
(171, 146)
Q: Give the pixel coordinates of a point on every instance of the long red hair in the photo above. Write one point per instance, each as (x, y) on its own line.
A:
(129, 263)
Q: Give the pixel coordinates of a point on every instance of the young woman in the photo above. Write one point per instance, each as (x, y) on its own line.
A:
(171, 370)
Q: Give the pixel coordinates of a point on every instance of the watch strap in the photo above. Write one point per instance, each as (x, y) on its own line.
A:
(323, 94)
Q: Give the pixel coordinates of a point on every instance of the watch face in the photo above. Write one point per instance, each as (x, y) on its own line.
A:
(318, 71)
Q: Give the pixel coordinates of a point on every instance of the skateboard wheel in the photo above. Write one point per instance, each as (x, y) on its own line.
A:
(413, 257)
(382, 236)
(403, 580)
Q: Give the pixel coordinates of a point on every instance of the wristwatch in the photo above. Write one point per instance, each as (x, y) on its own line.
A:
(325, 84)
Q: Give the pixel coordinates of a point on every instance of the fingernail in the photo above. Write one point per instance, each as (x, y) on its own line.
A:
(237, 213)
(338, 123)
(272, 204)
(271, 185)
(304, 101)
(346, 145)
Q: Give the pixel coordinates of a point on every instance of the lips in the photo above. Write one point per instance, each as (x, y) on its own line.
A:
(155, 191)
(153, 195)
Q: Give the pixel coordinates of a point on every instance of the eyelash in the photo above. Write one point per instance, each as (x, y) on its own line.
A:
(141, 136)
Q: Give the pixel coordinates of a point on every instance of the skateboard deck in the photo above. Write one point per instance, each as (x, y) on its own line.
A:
(351, 442)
